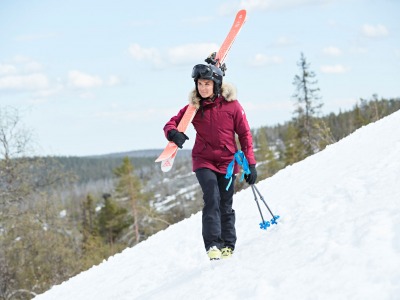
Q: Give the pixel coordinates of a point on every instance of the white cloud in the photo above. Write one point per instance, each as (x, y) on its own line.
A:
(7, 69)
(21, 73)
(261, 60)
(182, 54)
(336, 69)
(191, 52)
(374, 31)
(82, 80)
(333, 51)
(145, 54)
(20, 64)
(24, 82)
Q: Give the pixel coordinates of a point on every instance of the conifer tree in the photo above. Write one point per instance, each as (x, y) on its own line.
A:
(88, 216)
(94, 249)
(129, 187)
(312, 133)
(112, 219)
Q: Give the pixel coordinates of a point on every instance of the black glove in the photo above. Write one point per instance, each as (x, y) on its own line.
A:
(252, 177)
(177, 137)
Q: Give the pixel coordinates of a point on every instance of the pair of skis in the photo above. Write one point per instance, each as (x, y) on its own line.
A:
(167, 157)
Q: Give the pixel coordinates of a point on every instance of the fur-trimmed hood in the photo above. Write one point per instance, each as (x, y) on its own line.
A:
(228, 91)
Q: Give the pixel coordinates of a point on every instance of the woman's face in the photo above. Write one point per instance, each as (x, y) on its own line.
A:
(205, 87)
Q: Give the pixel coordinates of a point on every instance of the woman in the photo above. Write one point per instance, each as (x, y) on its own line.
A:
(219, 117)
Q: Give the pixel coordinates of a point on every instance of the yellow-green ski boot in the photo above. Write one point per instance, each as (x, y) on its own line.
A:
(214, 253)
(226, 252)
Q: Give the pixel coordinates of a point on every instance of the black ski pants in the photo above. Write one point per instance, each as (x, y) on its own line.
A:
(218, 219)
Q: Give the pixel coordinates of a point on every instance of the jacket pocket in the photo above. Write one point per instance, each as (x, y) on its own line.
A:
(230, 148)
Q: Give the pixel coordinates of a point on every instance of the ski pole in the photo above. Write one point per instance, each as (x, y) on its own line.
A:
(274, 218)
(264, 224)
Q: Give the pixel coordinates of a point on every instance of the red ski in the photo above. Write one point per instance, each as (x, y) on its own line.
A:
(167, 157)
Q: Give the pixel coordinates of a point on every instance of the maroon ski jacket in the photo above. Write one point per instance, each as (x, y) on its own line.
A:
(216, 124)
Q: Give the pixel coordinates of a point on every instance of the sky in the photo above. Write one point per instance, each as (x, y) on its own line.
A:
(338, 237)
(97, 77)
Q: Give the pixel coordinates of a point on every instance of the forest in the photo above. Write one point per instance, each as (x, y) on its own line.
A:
(61, 215)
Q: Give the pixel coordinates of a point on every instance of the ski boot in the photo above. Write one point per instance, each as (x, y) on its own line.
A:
(214, 253)
(226, 252)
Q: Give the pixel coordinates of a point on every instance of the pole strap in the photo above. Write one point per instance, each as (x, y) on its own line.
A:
(241, 160)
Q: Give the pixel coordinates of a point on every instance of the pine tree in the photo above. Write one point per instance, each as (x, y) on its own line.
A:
(112, 219)
(94, 249)
(312, 133)
(129, 187)
(88, 216)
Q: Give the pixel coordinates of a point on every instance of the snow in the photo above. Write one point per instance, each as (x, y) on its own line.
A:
(338, 236)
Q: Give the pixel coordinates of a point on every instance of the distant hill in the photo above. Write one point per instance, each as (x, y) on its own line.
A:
(100, 167)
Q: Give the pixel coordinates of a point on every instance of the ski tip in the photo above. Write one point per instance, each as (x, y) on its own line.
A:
(241, 14)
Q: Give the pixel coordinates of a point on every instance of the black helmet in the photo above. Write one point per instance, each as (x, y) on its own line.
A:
(208, 72)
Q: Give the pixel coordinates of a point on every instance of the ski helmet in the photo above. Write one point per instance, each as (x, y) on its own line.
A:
(210, 72)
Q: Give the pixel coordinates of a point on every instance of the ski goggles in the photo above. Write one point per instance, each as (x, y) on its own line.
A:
(202, 71)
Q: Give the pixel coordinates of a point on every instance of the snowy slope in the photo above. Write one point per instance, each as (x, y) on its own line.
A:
(339, 237)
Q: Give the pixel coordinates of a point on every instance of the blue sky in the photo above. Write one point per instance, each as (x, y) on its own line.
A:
(95, 77)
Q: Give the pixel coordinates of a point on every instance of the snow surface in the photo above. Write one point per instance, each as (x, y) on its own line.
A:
(338, 237)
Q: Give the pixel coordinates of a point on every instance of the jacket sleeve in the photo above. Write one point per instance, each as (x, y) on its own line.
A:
(242, 129)
(174, 121)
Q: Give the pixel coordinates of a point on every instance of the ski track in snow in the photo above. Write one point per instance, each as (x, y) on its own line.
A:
(338, 236)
